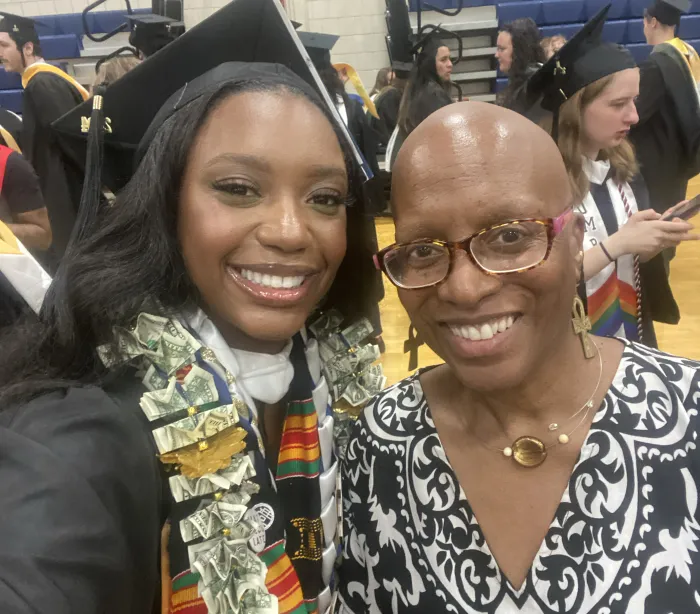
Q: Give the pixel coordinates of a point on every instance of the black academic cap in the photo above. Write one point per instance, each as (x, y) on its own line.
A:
(242, 31)
(319, 47)
(23, 28)
(150, 33)
(668, 12)
(580, 62)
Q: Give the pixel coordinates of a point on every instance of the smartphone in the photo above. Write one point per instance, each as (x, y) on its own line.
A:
(684, 212)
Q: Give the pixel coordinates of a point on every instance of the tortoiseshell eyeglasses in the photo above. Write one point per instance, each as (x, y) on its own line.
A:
(510, 247)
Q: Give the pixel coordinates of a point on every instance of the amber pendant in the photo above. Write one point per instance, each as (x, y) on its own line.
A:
(529, 451)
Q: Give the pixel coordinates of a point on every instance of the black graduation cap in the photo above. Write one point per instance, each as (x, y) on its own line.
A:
(319, 47)
(242, 31)
(20, 28)
(668, 12)
(581, 61)
(150, 33)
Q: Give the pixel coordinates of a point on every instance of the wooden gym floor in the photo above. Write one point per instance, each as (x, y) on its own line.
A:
(683, 340)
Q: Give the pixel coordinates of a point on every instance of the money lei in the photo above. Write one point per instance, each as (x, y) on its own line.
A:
(206, 447)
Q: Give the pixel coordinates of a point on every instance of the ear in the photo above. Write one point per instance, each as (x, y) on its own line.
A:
(28, 49)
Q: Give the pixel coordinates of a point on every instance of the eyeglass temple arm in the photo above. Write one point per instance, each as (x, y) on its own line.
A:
(560, 222)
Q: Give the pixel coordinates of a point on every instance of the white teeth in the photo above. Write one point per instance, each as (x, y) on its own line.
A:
(487, 330)
(272, 281)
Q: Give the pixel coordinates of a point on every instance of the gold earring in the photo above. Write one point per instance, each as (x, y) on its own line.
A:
(582, 324)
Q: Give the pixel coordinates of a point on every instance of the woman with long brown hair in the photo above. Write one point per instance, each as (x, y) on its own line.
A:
(591, 88)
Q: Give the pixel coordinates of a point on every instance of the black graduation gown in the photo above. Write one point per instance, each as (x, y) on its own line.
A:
(430, 99)
(81, 504)
(46, 98)
(667, 137)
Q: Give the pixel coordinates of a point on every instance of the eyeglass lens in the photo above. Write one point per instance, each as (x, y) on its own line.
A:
(508, 248)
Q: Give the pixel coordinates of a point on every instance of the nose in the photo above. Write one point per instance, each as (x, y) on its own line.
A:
(285, 227)
(467, 285)
(632, 115)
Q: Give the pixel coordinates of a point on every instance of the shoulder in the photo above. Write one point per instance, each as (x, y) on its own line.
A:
(656, 392)
(394, 415)
(17, 163)
(88, 431)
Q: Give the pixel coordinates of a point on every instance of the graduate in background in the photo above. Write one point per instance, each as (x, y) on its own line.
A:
(150, 33)
(10, 129)
(49, 93)
(667, 137)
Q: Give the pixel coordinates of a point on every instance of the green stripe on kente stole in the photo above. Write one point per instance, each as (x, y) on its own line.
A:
(301, 408)
(189, 579)
(299, 468)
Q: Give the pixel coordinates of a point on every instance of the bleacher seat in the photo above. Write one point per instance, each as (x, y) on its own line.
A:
(9, 80)
(501, 84)
(99, 22)
(640, 52)
(690, 27)
(511, 11)
(445, 4)
(615, 31)
(567, 30)
(61, 46)
(618, 10)
(563, 11)
(11, 100)
(637, 8)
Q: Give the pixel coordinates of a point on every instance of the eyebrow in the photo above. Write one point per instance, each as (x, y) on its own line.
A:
(316, 171)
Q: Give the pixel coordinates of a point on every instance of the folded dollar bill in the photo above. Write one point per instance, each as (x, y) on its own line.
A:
(195, 428)
(357, 332)
(236, 474)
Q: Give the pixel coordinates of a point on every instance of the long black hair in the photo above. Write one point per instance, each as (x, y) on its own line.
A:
(527, 55)
(131, 263)
(425, 90)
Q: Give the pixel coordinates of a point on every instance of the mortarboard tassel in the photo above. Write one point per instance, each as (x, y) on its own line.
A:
(92, 185)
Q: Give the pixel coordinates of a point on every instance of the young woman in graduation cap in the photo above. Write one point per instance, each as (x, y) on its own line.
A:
(172, 375)
(590, 87)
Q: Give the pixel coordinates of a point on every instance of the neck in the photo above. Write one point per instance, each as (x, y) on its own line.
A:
(31, 61)
(663, 36)
(239, 340)
(590, 151)
(546, 396)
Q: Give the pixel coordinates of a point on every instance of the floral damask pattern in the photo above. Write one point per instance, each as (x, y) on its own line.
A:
(625, 537)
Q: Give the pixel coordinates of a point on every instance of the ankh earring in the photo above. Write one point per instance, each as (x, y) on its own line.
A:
(582, 324)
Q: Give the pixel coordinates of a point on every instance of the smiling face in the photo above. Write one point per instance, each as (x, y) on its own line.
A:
(262, 215)
(606, 120)
(504, 51)
(467, 167)
(10, 55)
(443, 63)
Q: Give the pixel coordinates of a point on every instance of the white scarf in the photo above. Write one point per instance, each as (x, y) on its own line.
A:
(264, 377)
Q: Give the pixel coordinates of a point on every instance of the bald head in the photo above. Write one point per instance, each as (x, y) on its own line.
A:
(486, 158)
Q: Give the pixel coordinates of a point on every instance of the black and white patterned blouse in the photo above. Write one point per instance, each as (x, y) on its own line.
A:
(625, 537)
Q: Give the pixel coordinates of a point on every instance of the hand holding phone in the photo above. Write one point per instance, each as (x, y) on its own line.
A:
(683, 211)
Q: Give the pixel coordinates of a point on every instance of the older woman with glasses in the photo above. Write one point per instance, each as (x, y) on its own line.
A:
(540, 469)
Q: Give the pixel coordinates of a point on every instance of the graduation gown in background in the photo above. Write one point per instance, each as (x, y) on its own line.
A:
(48, 95)
(667, 137)
(10, 129)
(79, 467)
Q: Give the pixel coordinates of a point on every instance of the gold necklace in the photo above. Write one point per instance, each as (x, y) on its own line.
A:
(529, 451)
